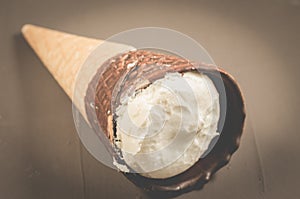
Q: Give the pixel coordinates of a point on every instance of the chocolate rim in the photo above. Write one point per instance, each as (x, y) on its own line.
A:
(130, 65)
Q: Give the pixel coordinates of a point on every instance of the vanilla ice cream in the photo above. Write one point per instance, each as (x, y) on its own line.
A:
(165, 128)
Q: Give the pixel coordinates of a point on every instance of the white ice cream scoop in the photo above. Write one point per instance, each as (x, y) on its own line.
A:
(165, 128)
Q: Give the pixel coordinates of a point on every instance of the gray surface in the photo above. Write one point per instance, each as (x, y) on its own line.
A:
(257, 41)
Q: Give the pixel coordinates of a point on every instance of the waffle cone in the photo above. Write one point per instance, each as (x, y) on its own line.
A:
(65, 54)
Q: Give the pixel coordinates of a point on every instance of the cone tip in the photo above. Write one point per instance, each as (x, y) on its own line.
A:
(26, 27)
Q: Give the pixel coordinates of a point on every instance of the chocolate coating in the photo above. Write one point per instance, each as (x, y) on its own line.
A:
(125, 69)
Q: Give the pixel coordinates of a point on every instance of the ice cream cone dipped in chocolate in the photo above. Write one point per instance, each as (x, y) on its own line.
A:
(109, 80)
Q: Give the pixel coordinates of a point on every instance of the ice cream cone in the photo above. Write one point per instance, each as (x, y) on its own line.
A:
(65, 55)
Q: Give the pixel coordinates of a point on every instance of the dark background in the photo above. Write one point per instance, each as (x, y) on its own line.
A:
(257, 41)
